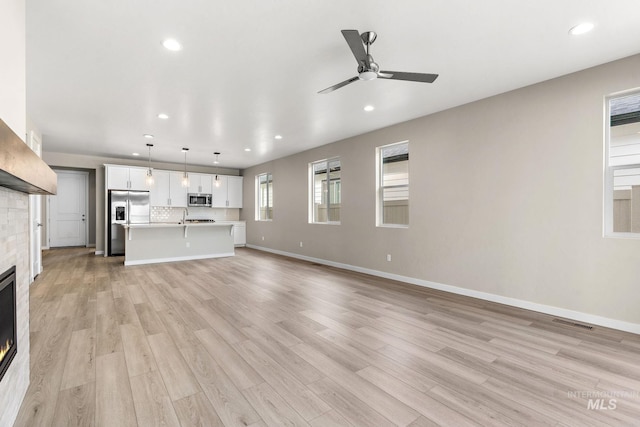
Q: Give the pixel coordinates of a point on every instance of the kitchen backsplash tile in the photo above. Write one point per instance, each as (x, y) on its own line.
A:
(175, 214)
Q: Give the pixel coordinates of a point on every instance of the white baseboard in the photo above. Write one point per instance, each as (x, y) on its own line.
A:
(99, 253)
(45, 248)
(514, 302)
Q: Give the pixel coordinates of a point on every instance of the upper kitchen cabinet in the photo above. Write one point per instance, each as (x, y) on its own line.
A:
(219, 192)
(177, 192)
(200, 183)
(160, 195)
(167, 189)
(227, 191)
(234, 191)
(126, 178)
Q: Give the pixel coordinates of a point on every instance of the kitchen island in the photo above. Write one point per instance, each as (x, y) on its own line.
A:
(167, 242)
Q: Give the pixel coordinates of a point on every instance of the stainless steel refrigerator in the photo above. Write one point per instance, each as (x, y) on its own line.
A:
(126, 207)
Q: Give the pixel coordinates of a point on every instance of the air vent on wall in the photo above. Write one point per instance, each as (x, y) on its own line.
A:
(569, 323)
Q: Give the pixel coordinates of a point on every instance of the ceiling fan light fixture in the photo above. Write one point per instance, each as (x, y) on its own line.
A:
(368, 75)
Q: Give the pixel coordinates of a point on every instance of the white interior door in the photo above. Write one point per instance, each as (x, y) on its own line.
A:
(68, 210)
(35, 217)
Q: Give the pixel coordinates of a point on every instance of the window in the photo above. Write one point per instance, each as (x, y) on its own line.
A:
(264, 193)
(622, 187)
(393, 184)
(325, 191)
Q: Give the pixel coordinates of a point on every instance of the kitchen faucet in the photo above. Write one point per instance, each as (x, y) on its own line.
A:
(184, 215)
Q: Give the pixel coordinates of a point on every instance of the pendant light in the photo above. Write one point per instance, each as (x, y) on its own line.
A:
(215, 162)
(185, 177)
(149, 171)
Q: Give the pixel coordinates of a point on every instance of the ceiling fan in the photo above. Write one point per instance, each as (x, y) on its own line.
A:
(368, 69)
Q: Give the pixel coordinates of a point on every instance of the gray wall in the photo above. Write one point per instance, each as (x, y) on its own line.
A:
(506, 198)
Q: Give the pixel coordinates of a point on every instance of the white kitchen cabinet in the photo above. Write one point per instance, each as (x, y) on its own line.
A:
(126, 178)
(200, 183)
(167, 189)
(227, 192)
(240, 233)
(219, 192)
(177, 193)
(234, 191)
(159, 194)
(138, 179)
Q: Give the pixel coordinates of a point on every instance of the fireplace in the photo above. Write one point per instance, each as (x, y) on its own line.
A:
(8, 335)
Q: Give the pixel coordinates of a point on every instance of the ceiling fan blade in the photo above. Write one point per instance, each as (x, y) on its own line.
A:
(355, 43)
(412, 77)
(339, 85)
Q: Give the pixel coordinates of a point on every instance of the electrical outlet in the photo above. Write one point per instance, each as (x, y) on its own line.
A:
(300, 244)
(188, 244)
(388, 257)
(262, 238)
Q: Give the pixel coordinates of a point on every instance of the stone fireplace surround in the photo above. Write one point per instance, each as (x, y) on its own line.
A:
(14, 250)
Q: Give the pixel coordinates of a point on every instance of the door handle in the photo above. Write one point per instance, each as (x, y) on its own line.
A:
(38, 224)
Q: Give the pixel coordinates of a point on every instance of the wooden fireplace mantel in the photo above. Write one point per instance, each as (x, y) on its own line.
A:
(20, 168)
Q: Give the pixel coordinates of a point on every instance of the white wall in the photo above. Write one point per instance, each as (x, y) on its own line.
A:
(14, 211)
(506, 202)
(13, 70)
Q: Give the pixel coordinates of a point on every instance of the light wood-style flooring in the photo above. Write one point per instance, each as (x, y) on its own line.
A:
(262, 340)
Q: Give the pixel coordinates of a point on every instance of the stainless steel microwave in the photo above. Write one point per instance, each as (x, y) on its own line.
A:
(198, 199)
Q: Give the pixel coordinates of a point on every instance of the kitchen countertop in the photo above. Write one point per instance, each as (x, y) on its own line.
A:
(179, 224)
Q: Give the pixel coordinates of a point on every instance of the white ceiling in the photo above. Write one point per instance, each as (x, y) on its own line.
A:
(97, 74)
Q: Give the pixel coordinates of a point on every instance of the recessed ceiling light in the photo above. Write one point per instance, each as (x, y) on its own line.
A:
(278, 137)
(163, 116)
(172, 44)
(135, 154)
(369, 108)
(582, 28)
(148, 136)
(247, 149)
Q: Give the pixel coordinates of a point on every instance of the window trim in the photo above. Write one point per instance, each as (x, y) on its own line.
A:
(380, 187)
(311, 191)
(258, 196)
(609, 171)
